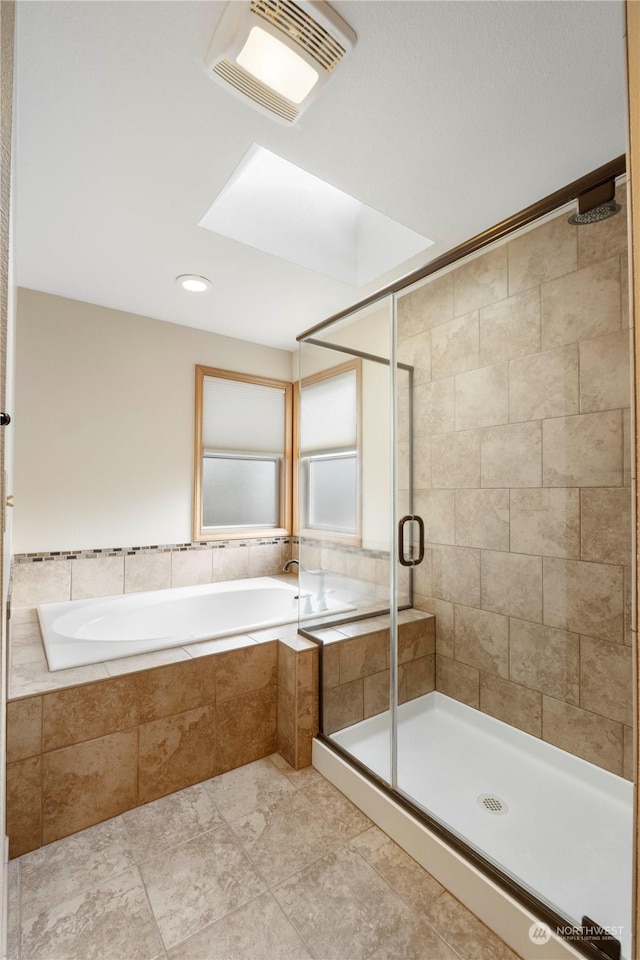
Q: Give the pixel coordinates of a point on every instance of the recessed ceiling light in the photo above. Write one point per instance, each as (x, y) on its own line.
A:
(193, 283)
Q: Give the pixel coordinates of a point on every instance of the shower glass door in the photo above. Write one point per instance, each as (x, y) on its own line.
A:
(348, 428)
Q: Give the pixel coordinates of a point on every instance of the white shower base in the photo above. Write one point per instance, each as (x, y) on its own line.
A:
(567, 833)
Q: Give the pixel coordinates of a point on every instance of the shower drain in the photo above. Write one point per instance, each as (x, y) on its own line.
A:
(492, 804)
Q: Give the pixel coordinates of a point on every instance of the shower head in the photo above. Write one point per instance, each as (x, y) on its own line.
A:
(597, 204)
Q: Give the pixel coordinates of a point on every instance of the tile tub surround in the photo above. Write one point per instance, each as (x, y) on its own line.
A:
(355, 666)
(265, 862)
(82, 574)
(94, 748)
(521, 468)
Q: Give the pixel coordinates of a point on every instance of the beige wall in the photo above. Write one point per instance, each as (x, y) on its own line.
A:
(104, 422)
(522, 474)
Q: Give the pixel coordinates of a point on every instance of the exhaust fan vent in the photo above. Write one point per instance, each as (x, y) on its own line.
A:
(303, 29)
(258, 92)
(278, 54)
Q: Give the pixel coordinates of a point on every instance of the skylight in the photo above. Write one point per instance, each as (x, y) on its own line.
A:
(274, 206)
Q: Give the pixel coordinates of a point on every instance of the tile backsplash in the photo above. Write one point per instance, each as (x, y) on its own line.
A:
(77, 575)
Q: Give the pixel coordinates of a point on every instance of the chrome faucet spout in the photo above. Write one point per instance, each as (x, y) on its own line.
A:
(289, 564)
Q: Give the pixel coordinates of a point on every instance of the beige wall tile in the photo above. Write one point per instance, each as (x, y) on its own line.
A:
(511, 456)
(627, 446)
(624, 291)
(190, 567)
(90, 711)
(482, 397)
(24, 806)
(250, 668)
(482, 640)
(246, 728)
(363, 655)
(178, 751)
(46, 581)
(482, 519)
(601, 240)
(330, 654)
(481, 281)
(583, 451)
(286, 726)
(436, 507)
(24, 728)
(443, 613)
(582, 304)
(545, 659)
(544, 384)
(542, 254)
(230, 563)
(416, 639)
(455, 346)
(584, 734)
(147, 571)
(511, 703)
(510, 328)
(422, 575)
(425, 307)
(177, 687)
(88, 782)
(456, 574)
(458, 680)
(267, 559)
(376, 693)
(287, 669)
(343, 706)
(416, 351)
(512, 584)
(605, 674)
(546, 521)
(97, 577)
(456, 459)
(629, 755)
(433, 410)
(584, 598)
(422, 462)
(420, 676)
(605, 372)
(605, 531)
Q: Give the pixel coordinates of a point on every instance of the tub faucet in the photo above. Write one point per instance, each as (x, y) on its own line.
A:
(289, 564)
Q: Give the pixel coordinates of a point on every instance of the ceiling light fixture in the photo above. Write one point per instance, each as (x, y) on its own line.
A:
(278, 54)
(193, 283)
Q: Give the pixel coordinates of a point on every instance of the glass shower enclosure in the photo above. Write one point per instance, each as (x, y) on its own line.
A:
(465, 548)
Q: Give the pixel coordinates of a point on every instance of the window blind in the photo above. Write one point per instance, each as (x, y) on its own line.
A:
(240, 416)
(329, 414)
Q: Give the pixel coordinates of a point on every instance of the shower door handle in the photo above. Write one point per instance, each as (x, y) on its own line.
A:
(414, 561)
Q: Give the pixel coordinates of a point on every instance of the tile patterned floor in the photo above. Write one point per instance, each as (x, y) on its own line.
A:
(261, 863)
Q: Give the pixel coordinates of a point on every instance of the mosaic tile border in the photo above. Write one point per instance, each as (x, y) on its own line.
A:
(154, 548)
(94, 553)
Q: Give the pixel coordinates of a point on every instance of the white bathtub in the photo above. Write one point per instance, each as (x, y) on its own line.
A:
(78, 632)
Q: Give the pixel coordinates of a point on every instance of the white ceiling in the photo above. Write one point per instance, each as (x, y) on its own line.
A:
(447, 116)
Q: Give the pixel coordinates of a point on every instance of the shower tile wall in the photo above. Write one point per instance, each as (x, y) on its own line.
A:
(521, 472)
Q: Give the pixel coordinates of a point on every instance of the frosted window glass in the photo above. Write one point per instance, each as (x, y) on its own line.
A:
(332, 499)
(240, 492)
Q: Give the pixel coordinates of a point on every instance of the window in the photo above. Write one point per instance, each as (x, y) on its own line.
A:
(242, 455)
(329, 455)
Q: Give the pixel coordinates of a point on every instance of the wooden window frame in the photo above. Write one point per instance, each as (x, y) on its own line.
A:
(353, 540)
(285, 502)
